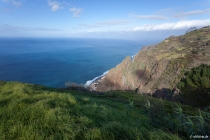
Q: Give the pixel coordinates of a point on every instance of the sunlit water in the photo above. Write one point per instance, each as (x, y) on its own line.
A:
(52, 62)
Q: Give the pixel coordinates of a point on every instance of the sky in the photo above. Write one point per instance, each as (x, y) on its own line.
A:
(120, 19)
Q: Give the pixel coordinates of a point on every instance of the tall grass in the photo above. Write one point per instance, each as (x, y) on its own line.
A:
(36, 112)
(179, 122)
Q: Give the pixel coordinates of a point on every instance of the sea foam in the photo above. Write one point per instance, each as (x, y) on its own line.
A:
(132, 57)
(88, 83)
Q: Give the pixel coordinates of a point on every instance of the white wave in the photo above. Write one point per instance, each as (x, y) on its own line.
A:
(132, 57)
(89, 82)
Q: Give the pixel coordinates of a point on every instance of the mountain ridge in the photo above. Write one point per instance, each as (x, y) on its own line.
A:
(159, 66)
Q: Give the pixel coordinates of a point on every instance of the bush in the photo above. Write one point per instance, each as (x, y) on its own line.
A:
(179, 122)
(196, 86)
(74, 86)
(156, 112)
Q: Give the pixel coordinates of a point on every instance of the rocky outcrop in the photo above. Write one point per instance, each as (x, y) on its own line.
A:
(159, 66)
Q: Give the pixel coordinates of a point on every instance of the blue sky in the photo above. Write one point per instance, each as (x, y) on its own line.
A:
(121, 19)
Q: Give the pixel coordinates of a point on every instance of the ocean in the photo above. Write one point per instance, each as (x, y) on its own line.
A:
(52, 62)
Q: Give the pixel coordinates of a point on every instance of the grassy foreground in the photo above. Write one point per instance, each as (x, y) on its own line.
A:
(35, 112)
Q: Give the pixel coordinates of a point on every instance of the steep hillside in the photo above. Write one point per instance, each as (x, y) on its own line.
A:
(34, 112)
(159, 67)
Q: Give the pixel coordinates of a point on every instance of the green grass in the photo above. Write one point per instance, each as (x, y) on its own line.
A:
(34, 112)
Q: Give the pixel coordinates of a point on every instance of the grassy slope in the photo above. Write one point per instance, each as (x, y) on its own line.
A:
(36, 112)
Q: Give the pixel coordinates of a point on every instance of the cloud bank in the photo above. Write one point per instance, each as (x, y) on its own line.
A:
(191, 13)
(150, 17)
(172, 26)
(167, 13)
(11, 28)
(105, 23)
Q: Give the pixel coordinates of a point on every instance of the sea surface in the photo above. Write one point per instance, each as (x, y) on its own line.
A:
(52, 62)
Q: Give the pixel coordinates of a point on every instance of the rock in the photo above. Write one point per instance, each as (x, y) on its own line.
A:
(159, 66)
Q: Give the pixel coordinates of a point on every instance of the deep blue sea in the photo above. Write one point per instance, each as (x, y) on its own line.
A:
(52, 62)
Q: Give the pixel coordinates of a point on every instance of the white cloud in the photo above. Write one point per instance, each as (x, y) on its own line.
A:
(4, 10)
(158, 15)
(163, 27)
(11, 28)
(150, 17)
(54, 5)
(164, 14)
(172, 26)
(113, 22)
(76, 12)
(105, 23)
(16, 3)
(190, 13)
(165, 11)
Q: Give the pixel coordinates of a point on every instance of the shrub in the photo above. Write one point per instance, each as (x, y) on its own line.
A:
(129, 107)
(74, 86)
(196, 86)
(155, 112)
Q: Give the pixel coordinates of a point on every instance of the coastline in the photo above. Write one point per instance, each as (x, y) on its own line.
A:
(92, 83)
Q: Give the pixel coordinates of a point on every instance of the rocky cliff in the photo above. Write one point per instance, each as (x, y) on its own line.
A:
(159, 66)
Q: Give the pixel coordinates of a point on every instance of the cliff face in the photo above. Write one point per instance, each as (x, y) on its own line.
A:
(159, 66)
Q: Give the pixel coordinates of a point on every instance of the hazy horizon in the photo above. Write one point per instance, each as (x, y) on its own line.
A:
(134, 20)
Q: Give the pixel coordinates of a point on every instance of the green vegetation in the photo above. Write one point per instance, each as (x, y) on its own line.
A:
(74, 86)
(36, 112)
(195, 86)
